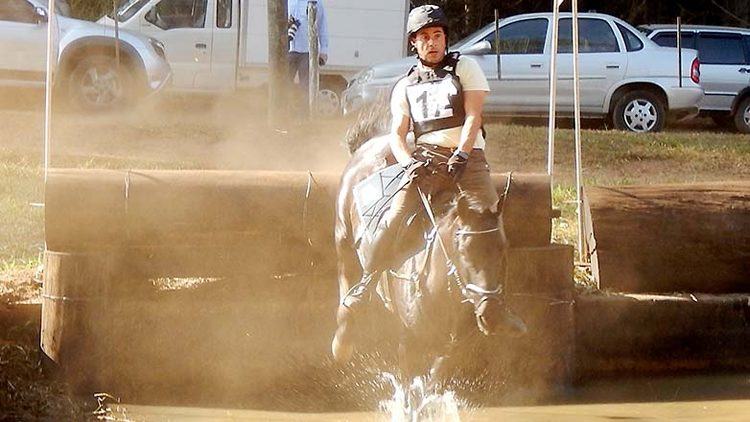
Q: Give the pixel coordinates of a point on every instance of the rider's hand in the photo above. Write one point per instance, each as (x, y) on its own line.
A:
(415, 167)
(457, 164)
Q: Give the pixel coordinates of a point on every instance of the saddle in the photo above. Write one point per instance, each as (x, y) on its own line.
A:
(373, 197)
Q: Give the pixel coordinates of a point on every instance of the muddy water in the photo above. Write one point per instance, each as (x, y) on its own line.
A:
(727, 410)
(681, 398)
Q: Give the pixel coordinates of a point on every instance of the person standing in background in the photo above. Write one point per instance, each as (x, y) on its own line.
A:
(299, 52)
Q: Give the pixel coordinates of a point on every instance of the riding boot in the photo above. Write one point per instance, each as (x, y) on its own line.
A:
(378, 261)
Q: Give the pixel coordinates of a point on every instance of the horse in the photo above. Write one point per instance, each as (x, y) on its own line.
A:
(456, 290)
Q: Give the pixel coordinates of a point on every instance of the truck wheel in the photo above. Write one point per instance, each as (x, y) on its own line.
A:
(97, 84)
(328, 103)
(742, 116)
(639, 111)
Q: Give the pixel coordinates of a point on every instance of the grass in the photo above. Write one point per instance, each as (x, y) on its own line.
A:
(21, 235)
(616, 158)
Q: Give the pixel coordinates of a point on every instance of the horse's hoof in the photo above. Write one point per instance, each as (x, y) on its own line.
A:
(341, 346)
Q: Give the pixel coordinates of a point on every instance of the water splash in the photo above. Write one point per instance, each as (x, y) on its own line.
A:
(419, 402)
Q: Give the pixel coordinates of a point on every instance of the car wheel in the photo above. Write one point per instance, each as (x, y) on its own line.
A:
(639, 111)
(328, 103)
(742, 116)
(97, 84)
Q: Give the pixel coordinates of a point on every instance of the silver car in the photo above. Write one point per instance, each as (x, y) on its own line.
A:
(725, 68)
(87, 72)
(625, 77)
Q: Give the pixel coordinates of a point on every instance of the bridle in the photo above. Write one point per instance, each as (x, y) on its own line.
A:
(473, 232)
(471, 292)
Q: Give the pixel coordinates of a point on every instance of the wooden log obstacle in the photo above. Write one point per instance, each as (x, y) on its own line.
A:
(110, 234)
(670, 238)
(675, 261)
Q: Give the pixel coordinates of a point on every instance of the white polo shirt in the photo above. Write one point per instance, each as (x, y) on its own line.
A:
(471, 77)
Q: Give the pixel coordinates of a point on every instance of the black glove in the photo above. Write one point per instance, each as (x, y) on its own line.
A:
(415, 168)
(457, 164)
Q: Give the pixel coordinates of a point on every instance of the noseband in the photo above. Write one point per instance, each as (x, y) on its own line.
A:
(463, 232)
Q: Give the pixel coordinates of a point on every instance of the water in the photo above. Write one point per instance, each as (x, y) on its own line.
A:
(421, 401)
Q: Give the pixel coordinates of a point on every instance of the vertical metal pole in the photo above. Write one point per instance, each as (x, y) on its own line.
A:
(49, 80)
(278, 49)
(313, 47)
(117, 35)
(553, 89)
(577, 111)
(679, 50)
(497, 44)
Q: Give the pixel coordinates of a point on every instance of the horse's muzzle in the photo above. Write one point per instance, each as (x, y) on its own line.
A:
(494, 318)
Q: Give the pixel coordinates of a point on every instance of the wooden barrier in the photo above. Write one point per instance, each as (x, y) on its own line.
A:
(670, 238)
(264, 240)
(212, 223)
(246, 339)
(75, 306)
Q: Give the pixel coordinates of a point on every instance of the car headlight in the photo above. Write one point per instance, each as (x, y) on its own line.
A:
(158, 46)
(362, 77)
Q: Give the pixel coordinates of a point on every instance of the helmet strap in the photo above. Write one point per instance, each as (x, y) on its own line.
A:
(434, 65)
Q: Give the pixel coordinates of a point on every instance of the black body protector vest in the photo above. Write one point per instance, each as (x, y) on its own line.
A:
(435, 96)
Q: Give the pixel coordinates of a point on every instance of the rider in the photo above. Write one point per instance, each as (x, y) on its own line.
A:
(441, 98)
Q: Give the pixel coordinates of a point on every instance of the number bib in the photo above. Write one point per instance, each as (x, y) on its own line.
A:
(435, 98)
(431, 100)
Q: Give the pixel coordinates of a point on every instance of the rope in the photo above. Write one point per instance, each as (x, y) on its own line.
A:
(305, 211)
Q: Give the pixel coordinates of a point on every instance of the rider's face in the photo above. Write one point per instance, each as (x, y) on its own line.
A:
(430, 44)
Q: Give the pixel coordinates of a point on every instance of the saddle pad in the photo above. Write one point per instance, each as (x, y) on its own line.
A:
(373, 197)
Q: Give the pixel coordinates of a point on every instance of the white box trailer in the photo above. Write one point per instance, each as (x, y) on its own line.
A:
(222, 45)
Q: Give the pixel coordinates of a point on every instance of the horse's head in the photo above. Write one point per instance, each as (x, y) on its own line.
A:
(480, 260)
(480, 244)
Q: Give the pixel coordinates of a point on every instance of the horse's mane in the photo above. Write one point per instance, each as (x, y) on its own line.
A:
(373, 120)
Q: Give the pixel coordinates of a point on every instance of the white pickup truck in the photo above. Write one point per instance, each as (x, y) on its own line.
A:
(87, 72)
(222, 45)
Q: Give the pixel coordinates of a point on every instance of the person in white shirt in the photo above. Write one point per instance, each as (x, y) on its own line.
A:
(441, 99)
(299, 47)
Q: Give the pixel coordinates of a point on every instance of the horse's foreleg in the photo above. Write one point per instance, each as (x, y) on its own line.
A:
(349, 273)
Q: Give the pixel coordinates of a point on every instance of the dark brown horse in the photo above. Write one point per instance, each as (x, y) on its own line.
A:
(452, 284)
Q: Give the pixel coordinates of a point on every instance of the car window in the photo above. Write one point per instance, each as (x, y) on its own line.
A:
(128, 8)
(594, 36)
(632, 42)
(669, 39)
(171, 14)
(224, 14)
(17, 11)
(718, 48)
(521, 37)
